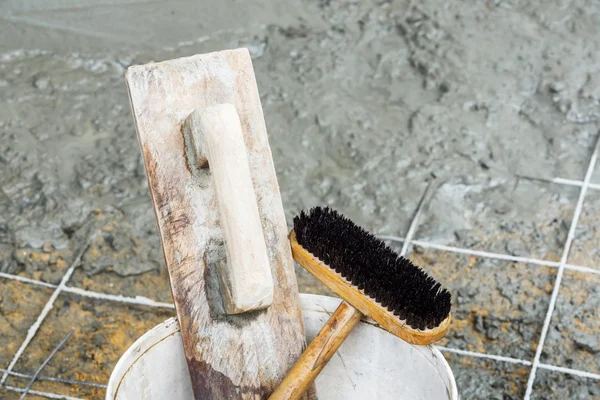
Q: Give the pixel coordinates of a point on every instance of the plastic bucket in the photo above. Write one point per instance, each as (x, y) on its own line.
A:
(371, 364)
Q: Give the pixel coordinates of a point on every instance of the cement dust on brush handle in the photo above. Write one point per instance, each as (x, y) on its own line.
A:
(240, 356)
(218, 143)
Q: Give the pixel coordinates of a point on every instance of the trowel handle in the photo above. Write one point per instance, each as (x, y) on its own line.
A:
(318, 353)
(217, 141)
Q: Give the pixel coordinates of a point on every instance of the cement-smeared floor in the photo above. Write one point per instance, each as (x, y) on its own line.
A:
(365, 103)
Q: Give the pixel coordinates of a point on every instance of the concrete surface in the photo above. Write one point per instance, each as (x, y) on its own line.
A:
(365, 102)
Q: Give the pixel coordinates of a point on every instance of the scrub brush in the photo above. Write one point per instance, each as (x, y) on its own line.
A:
(372, 280)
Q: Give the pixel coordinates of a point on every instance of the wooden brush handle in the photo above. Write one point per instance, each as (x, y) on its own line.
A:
(217, 141)
(318, 353)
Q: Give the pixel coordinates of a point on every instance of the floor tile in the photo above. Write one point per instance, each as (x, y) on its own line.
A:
(20, 306)
(508, 216)
(103, 332)
(498, 307)
(479, 379)
(585, 250)
(551, 385)
(573, 340)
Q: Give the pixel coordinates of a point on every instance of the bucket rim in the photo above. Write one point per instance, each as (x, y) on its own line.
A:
(309, 302)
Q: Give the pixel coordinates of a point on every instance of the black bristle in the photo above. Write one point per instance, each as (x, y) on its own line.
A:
(370, 265)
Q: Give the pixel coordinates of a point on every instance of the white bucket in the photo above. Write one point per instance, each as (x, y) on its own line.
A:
(370, 364)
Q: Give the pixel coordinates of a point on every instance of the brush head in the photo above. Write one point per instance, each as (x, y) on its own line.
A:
(373, 268)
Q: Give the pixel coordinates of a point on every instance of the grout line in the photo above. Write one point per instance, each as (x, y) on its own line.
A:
(560, 181)
(561, 268)
(26, 280)
(585, 270)
(571, 182)
(144, 301)
(59, 380)
(140, 300)
(36, 325)
(487, 254)
(43, 394)
(415, 221)
(483, 355)
(570, 371)
(387, 237)
(511, 360)
(478, 253)
(505, 257)
(46, 361)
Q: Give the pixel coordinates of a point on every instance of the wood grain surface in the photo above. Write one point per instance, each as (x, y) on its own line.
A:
(229, 356)
(218, 142)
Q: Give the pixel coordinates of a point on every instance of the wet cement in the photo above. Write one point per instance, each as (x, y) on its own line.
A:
(365, 103)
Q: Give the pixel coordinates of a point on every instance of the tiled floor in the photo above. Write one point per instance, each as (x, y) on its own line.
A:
(501, 223)
(548, 387)
(499, 308)
(103, 331)
(475, 376)
(585, 245)
(20, 304)
(499, 302)
(491, 315)
(575, 324)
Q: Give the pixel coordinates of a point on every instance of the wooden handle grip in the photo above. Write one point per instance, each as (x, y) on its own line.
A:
(216, 139)
(318, 353)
